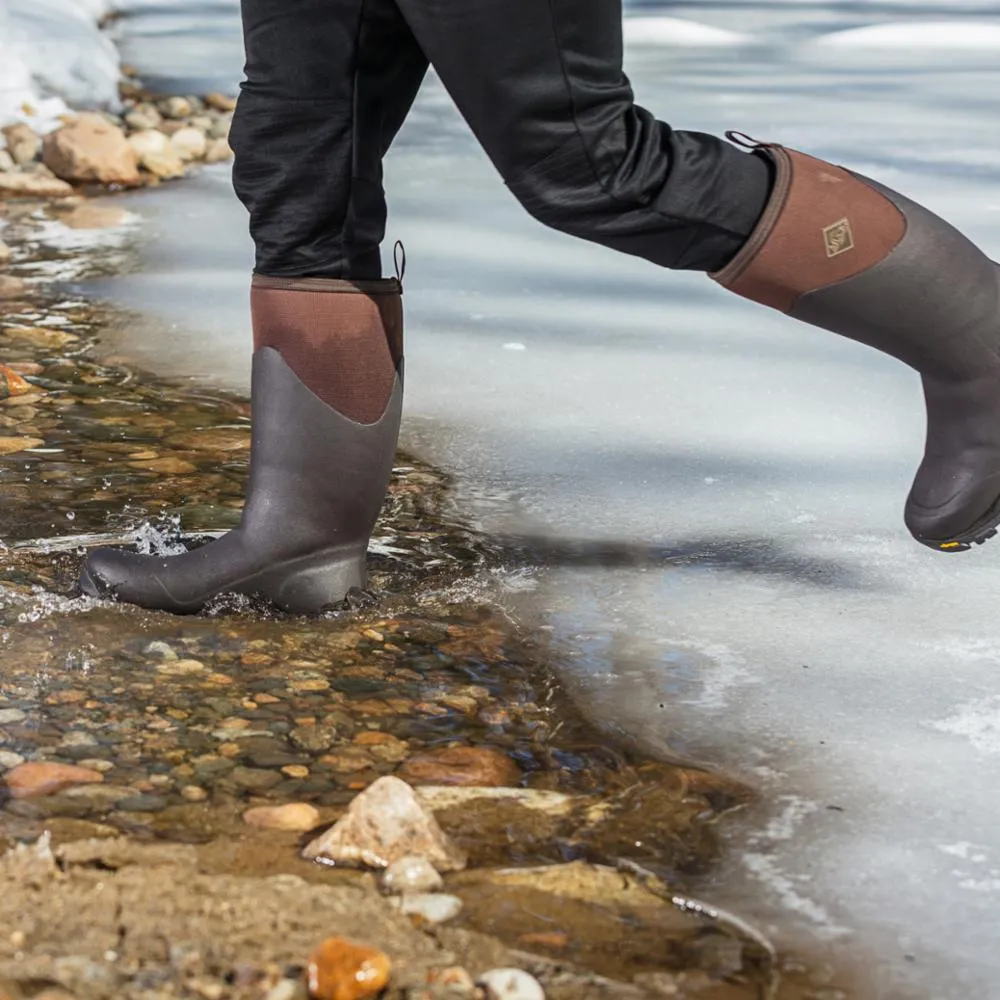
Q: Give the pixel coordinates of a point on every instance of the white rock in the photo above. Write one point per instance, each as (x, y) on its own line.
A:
(9, 759)
(144, 143)
(384, 823)
(411, 874)
(6, 161)
(511, 984)
(189, 143)
(434, 907)
(11, 715)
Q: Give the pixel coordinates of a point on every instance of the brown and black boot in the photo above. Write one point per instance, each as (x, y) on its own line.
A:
(840, 251)
(326, 396)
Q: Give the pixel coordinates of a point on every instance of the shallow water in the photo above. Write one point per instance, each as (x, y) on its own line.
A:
(192, 720)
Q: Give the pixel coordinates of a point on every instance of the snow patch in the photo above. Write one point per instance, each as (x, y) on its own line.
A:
(54, 49)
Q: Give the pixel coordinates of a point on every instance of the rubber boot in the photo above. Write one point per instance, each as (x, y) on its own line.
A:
(840, 251)
(317, 477)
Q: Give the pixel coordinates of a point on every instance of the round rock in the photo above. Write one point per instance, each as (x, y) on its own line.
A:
(511, 984)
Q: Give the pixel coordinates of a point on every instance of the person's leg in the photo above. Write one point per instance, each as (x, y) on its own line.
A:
(329, 83)
(541, 84)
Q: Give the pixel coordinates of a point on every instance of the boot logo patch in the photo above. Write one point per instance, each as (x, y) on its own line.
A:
(838, 238)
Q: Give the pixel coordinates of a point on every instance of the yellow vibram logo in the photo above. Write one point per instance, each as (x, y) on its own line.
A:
(838, 238)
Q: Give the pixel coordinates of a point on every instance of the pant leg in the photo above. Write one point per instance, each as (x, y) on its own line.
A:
(328, 84)
(541, 84)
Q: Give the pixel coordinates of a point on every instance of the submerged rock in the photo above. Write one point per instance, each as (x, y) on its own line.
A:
(431, 907)
(38, 778)
(11, 287)
(90, 148)
(12, 445)
(511, 984)
(410, 874)
(384, 823)
(461, 766)
(344, 970)
(296, 816)
(12, 384)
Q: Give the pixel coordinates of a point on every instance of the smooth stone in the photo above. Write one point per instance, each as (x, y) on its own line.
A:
(194, 793)
(253, 778)
(188, 143)
(8, 715)
(434, 907)
(384, 823)
(481, 766)
(344, 970)
(313, 738)
(12, 445)
(143, 803)
(9, 759)
(180, 668)
(296, 816)
(410, 874)
(90, 148)
(37, 778)
(511, 984)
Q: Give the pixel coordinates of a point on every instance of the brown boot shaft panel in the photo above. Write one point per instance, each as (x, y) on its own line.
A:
(823, 225)
(344, 339)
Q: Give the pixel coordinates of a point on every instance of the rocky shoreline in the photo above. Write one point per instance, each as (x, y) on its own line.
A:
(164, 777)
(151, 140)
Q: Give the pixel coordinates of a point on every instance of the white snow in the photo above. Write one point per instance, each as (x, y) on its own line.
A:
(716, 492)
(51, 52)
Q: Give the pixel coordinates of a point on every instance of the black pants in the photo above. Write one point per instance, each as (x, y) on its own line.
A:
(540, 82)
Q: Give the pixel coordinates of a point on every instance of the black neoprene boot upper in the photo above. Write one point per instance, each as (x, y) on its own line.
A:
(318, 477)
(840, 251)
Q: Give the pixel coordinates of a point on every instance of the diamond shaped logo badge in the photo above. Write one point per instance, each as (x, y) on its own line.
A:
(838, 238)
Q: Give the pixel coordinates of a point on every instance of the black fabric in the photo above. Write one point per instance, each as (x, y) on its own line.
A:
(540, 82)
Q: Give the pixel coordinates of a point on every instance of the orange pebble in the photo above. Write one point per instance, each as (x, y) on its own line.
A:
(344, 970)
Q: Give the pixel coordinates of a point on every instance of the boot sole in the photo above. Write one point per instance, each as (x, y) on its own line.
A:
(301, 586)
(985, 529)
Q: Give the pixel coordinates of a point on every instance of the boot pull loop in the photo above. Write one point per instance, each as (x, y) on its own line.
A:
(746, 141)
(399, 260)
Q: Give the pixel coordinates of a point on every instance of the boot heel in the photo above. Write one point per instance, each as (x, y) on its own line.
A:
(307, 588)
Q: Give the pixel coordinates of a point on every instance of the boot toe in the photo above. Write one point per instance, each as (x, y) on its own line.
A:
(106, 572)
(969, 517)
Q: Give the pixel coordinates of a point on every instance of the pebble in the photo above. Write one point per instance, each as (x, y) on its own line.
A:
(142, 803)
(254, 778)
(9, 759)
(344, 970)
(461, 766)
(296, 816)
(432, 907)
(11, 287)
(511, 984)
(218, 151)
(295, 770)
(5, 252)
(6, 161)
(189, 144)
(454, 979)
(194, 793)
(313, 738)
(175, 107)
(180, 668)
(384, 823)
(287, 989)
(37, 778)
(410, 874)
(220, 102)
(160, 648)
(11, 384)
(8, 715)
(143, 116)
